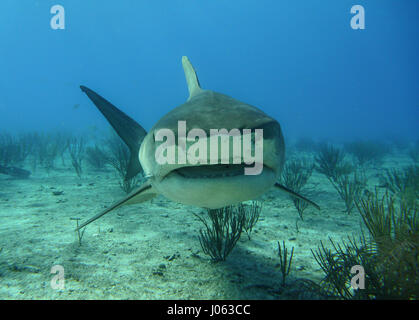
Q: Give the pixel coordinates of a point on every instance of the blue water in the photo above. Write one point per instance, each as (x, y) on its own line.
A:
(299, 61)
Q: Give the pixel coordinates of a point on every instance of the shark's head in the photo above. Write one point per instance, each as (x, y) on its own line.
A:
(201, 172)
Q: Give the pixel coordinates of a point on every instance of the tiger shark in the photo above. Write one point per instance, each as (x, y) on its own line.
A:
(213, 185)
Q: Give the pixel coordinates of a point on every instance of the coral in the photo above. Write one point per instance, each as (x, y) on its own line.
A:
(80, 233)
(222, 232)
(284, 261)
(331, 162)
(350, 189)
(13, 151)
(119, 157)
(46, 149)
(76, 149)
(251, 215)
(389, 257)
(403, 183)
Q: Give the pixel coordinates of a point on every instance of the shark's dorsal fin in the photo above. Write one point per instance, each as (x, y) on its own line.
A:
(191, 78)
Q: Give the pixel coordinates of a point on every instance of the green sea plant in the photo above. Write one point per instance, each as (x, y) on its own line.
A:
(47, 146)
(350, 189)
(389, 256)
(337, 263)
(26, 143)
(118, 158)
(62, 139)
(330, 161)
(222, 231)
(251, 215)
(295, 175)
(403, 183)
(14, 150)
(284, 261)
(80, 233)
(76, 149)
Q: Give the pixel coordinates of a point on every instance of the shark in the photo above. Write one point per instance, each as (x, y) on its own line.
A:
(208, 185)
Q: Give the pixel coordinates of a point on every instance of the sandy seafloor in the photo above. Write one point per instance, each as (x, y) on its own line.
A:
(151, 250)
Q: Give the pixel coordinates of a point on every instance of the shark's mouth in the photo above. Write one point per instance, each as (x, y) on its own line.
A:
(212, 171)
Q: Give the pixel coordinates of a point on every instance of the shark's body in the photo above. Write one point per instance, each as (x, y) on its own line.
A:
(204, 185)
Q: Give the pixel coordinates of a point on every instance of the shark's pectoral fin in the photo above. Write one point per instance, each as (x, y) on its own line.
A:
(143, 193)
(294, 194)
(126, 127)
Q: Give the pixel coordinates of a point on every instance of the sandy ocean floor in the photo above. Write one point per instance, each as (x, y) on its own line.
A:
(151, 250)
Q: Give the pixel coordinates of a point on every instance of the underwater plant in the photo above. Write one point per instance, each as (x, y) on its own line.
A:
(76, 149)
(295, 176)
(13, 151)
(394, 229)
(251, 215)
(47, 146)
(367, 151)
(96, 157)
(350, 189)
(284, 261)
(26, 143)
(330, 161)
(389, 257)
(222, 232)
(403, 183)
(119, 158)
(80, 234)
(336, 265)
(62, 139)
(6, 142)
